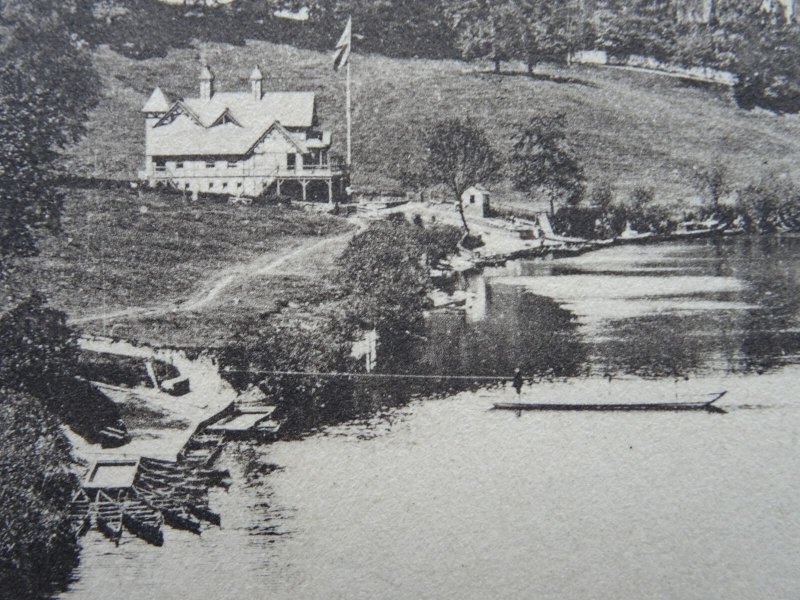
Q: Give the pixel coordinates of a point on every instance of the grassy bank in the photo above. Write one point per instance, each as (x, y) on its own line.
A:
(632, 128)
(121, 249)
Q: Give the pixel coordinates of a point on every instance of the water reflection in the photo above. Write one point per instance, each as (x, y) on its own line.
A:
(518, 330)
(674, 309)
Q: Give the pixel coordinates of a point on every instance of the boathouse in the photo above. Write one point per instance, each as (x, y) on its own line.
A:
(243, 143)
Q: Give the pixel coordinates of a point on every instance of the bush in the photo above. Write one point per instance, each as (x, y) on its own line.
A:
(37, 550)
(320, 346)
(386, 271)
(39, 356)
(767, 68)
(770, 204)
(606, 218)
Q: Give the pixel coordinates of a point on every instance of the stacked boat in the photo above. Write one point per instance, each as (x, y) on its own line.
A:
(80, 513)
(160, 491)
(179, 491)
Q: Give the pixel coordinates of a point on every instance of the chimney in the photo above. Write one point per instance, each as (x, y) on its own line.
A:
(257, 83)
(206, 83)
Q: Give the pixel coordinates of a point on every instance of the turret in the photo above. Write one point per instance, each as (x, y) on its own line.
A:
(206, 83)
(155, 107)
(257, 83)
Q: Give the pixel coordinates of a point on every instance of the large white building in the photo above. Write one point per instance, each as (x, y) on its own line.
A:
(239, 143)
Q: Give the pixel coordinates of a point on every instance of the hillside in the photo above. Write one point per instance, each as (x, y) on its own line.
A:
(632, 128)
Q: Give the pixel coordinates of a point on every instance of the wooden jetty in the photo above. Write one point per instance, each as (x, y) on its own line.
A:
(702, 405)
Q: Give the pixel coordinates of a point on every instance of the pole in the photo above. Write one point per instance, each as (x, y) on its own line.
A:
(349, 122)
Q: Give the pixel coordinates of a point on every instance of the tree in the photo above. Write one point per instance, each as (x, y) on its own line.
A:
(643, 27)
(641, 197)
(459, 155)
(485, 29)
(546, 32)
(712, 182)
(319, 345)
(47, 85)
(770, 204)
(386, 271)
(37, 551)
(602, 195)
(766, 66)
(542, 161)
(37, 348)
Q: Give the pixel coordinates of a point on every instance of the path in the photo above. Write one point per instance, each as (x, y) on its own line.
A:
(211, 288)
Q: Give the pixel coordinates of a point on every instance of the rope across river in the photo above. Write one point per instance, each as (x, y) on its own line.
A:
(373, 375)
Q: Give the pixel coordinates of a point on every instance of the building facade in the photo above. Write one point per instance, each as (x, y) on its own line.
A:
(240, 143)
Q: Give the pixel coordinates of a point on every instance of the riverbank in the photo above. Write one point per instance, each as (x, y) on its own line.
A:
(159, 424)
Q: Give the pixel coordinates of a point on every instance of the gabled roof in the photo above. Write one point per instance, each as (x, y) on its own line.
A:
(225, 117)
(301, 147)
(184, 137)
(178, 108)
(292, 109)
(157, 103)
(195, 126)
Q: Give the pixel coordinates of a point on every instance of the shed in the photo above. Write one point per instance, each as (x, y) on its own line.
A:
(475, 201)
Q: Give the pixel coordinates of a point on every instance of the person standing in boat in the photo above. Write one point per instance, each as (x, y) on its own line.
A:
(517, 382)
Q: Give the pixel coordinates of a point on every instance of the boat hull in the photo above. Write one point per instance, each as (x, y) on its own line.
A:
(705, 405)
(607, 407)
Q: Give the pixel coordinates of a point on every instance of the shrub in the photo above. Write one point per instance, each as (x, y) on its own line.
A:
(37, 551)
(770, 204)
(320, 346)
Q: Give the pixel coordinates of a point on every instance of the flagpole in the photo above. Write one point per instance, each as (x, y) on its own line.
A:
(349, 121)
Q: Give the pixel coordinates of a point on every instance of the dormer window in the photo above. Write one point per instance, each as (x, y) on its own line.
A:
(224, 118)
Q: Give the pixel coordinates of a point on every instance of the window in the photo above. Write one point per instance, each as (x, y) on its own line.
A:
(211, 186)
(186, 186)
(291, 161)
(238, 185)
(472, 199)
(179, 164)
(210, 164)
(232, 164)
(224, 185)
(161, 165)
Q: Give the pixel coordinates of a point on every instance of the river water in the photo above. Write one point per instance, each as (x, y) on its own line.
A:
(445, 499)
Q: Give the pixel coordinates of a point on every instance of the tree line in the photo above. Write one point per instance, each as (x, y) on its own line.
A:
(47, 84)
(758, 46)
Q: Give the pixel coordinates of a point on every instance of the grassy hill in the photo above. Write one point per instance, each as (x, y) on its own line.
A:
(121, 249)
(632, 128)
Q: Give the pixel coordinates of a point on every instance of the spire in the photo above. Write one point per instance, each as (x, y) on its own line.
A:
(206, 83)
(257, 83)
(157, 103)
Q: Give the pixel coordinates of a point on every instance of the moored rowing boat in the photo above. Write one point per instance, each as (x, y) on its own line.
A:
(707, 405)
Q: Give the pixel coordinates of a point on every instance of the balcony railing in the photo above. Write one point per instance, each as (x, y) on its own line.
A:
(332, 168)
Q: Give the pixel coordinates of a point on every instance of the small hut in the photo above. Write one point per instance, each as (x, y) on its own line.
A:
(475, 200)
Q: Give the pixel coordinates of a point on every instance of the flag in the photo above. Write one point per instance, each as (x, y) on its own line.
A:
(343, 46)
